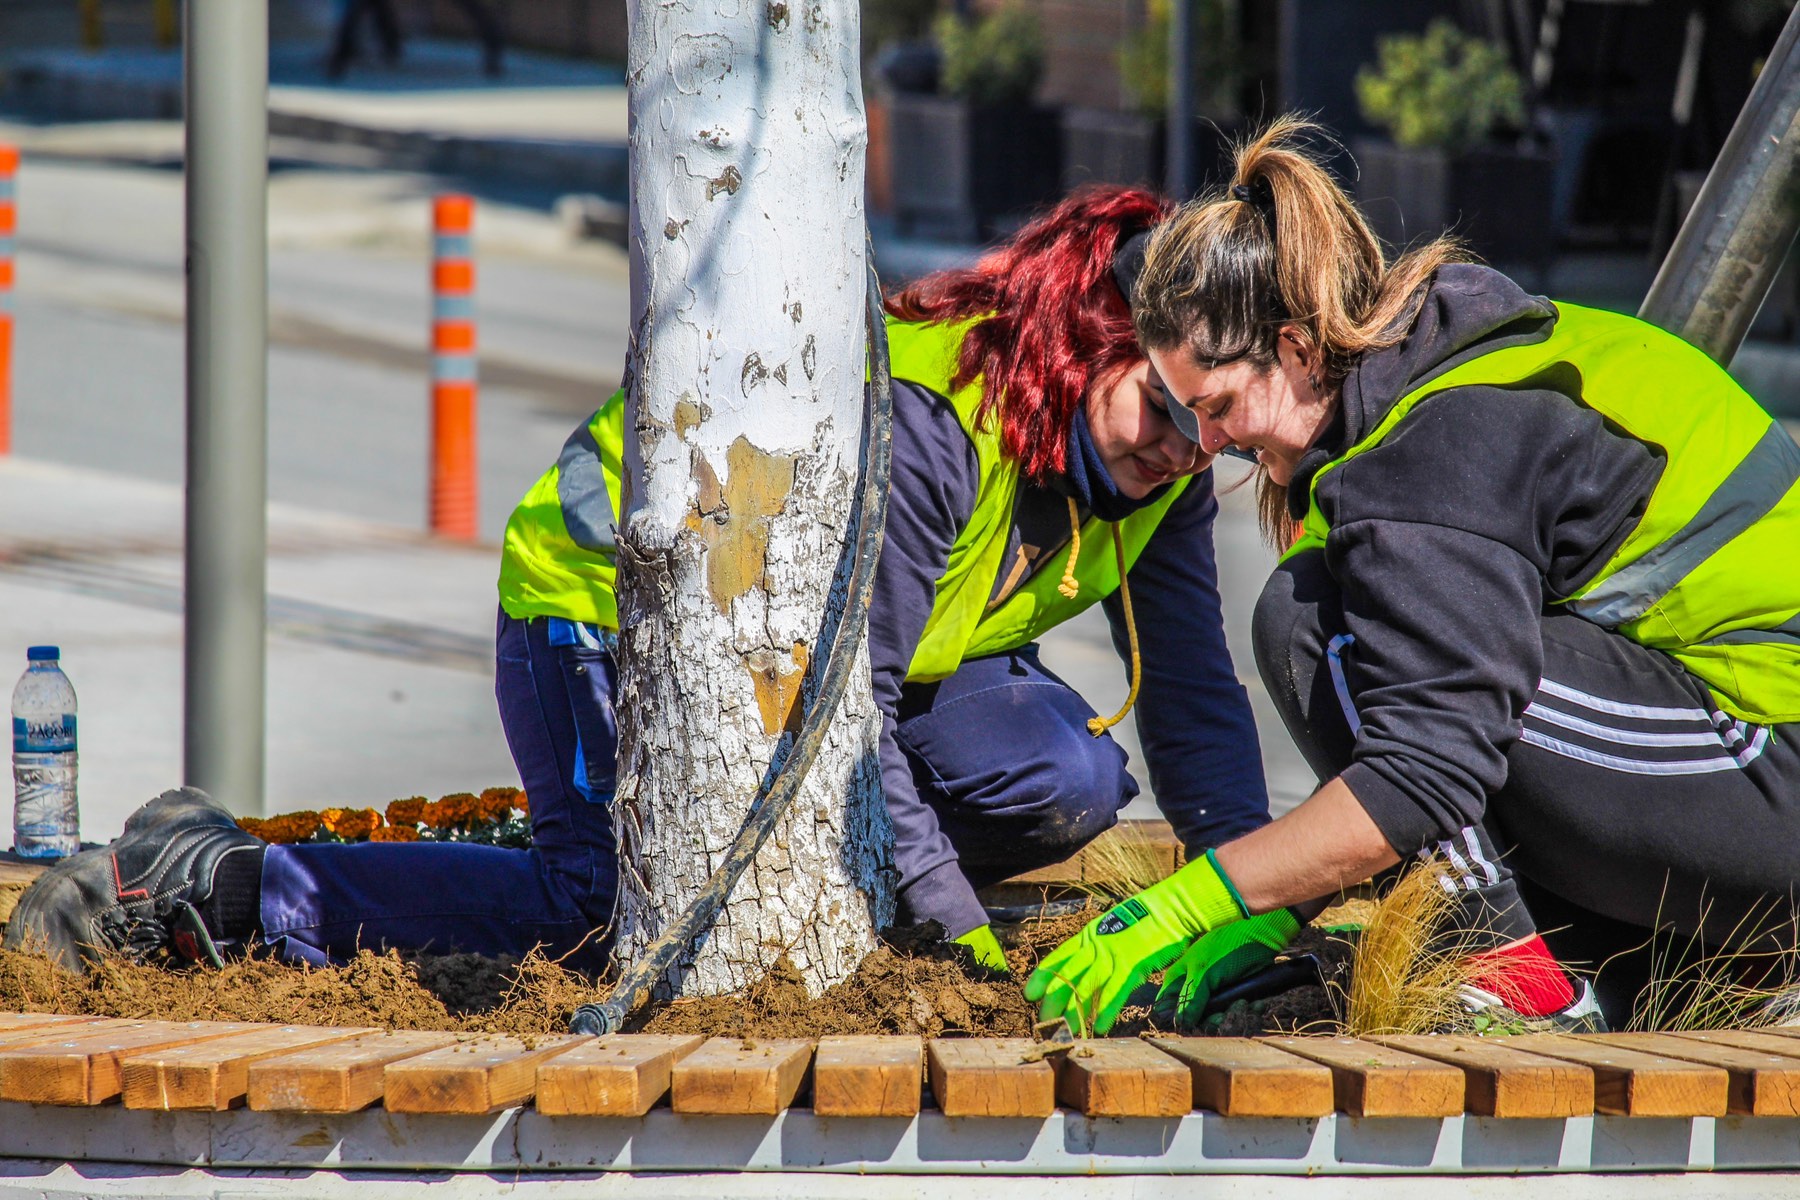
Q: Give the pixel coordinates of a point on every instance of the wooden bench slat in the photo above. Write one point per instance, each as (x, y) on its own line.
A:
(82, 1066)
(1375, 1081)
(1749, 1039)
(1633, 1083)
(623, 1075)
(990, 1077)
(21, 1035)
(1247, 1077)
(1762, 1084)
(1503, 1081)
(741, 1075)
(1106, 1078)
(340, 1078)
(10, 1021)
(868, 1076)
(214, 1076)
(480, 1076)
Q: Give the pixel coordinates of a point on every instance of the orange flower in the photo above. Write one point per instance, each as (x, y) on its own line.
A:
(253, 826)
(351, 824)
(523, 804)
(406, 812)
(289, 828)
(395, 833)
(497, 803)
(458, 808)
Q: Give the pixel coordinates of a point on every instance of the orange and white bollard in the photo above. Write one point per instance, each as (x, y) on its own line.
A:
(453, 382)
(9, 169)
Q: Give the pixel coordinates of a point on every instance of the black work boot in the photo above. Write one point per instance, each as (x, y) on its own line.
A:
(142, 895)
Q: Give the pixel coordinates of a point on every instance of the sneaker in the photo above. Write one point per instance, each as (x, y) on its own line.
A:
(1493, 1016)
(141, 895)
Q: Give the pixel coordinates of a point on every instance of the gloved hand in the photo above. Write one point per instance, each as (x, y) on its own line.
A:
(1224, 956)
(987, 949)
(1087, 979)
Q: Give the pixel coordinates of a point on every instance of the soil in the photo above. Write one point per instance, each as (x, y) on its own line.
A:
(913, 984)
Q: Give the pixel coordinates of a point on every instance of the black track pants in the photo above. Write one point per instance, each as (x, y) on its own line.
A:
(1628, 794)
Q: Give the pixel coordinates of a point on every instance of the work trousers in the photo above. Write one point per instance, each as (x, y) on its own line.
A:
(1001, 748)
(554, 684)
(1631, 802)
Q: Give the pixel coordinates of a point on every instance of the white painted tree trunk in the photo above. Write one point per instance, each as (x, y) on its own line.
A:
(745, 396)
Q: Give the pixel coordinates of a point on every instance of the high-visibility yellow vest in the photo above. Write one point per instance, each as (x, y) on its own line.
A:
(558, 557)
(1709, 576)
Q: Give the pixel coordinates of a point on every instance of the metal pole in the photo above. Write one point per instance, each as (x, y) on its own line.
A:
(1179, 127)
(226, 84)
(1738, 233)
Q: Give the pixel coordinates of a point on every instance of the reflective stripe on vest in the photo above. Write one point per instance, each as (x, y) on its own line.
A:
(1708, 574)
(558, 557)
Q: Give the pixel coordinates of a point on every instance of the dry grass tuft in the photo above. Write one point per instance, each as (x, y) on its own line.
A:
(1408, 973)
(1753, 982)
(1120, 863)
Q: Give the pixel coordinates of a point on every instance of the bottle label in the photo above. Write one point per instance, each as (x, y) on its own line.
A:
(46, 737)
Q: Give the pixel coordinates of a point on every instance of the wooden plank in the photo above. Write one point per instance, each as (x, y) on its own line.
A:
(82, 1066)
(1762, 1084)
(619, 1076)
(1247, 1077)
(990, 1077)
(868, 1076)
(1750, 1039)
(1633, 1083)
(1106, 1078)
(1377, 1081)
(480, 1076)
(214, 1076)
(741, 1075)
(11, 1021)
(22, 1034)
(1504, 1081)
(339, 1078)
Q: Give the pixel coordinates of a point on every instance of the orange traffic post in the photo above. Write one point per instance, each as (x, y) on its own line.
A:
(453, 386)
(9, 168)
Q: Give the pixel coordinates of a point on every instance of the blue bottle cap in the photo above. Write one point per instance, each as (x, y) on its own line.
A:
(43, 653)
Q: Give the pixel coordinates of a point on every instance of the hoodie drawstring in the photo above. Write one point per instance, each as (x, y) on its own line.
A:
(1070, 587)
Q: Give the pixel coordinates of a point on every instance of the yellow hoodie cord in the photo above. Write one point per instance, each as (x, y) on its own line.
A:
(1097, 725)
(1070, 587)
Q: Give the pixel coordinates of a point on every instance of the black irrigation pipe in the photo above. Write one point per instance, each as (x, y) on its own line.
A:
(633, 988)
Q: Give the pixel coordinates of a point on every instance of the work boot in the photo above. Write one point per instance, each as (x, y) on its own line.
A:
(1493, 1016)
(140, 896)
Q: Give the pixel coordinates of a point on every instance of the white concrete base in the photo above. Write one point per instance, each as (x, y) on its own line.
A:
(1066, 1144)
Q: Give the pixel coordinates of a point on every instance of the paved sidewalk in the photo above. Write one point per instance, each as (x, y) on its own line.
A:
(380, 647)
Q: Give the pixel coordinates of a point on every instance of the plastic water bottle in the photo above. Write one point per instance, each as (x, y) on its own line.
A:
(46, 817)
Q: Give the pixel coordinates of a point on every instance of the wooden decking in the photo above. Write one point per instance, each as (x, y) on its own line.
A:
(216, 1066)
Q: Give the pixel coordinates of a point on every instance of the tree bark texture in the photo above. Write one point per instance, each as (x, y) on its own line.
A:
(743, 434)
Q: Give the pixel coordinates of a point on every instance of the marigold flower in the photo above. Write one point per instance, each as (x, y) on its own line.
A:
(289, 828)
(458, 808)
(351, 824)
(406, 812)
(253, 826)
(395, 833)
(497, 803)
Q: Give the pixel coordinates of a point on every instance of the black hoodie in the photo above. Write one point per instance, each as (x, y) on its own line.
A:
(1450, 538)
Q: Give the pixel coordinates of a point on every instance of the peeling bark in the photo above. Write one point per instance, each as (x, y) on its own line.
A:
(744, 410)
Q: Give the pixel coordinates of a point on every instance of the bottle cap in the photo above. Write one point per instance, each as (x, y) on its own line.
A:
(42, 653)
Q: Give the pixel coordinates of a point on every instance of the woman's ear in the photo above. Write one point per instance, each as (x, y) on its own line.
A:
(1297, 350)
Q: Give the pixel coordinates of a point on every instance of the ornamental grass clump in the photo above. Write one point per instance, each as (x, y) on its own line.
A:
(1408, 972)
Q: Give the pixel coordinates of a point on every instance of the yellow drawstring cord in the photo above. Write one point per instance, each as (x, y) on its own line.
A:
(1097, 725)
(1070, 587)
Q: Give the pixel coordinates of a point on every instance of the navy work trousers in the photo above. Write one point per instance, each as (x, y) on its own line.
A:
(1000, 749)
(321, 903)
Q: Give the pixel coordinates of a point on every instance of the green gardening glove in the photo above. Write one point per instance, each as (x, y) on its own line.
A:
(986, 946)
(1087, 979)
(1224, 956)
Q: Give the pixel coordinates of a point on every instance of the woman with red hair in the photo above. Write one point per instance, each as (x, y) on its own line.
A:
(1036, 472)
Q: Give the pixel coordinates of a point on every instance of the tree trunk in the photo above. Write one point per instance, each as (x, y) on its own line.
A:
(745, 395)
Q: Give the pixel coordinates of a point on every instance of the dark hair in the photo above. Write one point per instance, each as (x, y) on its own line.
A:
(1283, 248)
(1055, 320)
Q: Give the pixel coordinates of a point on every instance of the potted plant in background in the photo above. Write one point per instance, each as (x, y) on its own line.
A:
(1129, 144)
(970, 160)
(1457, 160)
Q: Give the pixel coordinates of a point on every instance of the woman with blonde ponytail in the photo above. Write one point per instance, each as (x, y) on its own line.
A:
(1536, 621)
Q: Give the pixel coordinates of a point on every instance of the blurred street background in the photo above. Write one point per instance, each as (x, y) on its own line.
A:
(380, 636)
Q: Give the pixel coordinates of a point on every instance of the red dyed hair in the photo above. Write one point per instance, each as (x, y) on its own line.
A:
(1055, 319)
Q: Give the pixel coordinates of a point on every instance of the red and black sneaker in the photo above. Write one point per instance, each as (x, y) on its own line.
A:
(140, 896)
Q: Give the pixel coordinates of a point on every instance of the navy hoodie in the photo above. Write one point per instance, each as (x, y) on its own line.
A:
(1193, 716)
